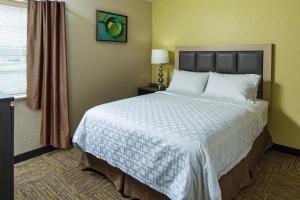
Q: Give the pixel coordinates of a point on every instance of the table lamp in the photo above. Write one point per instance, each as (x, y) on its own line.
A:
(160, 56)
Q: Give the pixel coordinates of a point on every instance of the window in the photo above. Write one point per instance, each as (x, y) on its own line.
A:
(13, 29)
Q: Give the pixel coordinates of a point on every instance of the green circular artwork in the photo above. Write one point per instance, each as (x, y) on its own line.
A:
(113, 27)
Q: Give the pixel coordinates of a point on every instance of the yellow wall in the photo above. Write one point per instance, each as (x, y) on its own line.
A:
(198, 22)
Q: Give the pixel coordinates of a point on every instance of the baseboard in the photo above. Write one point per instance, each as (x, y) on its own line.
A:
(285, 149)
(31, 154)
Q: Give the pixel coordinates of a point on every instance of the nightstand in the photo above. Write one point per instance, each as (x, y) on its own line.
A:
(146, 90)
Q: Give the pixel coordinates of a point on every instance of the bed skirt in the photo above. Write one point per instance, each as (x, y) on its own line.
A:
(231, 183)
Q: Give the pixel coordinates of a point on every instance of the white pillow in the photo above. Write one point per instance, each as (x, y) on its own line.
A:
(192, 83)
(235, 86)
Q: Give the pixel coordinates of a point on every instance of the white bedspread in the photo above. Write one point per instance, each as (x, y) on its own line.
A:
(175, 144)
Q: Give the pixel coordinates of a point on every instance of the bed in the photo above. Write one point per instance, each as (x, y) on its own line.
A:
(173, 146)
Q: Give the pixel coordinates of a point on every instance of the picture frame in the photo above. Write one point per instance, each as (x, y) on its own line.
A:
(111, 27)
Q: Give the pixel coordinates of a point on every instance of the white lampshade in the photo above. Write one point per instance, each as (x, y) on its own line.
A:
(160, 56)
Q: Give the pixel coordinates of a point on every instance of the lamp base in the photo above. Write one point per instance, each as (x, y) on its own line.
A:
(161, 87)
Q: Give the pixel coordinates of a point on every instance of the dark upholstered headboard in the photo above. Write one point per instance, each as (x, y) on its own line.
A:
(233, 59)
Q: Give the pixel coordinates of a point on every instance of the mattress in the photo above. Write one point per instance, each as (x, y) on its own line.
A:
(176, 144)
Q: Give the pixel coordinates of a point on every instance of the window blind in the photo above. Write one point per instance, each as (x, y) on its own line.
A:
(13, 36)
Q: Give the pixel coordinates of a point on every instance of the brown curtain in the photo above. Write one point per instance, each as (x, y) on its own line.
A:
(47, 70)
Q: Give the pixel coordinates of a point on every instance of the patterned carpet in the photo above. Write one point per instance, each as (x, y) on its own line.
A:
(57, 175)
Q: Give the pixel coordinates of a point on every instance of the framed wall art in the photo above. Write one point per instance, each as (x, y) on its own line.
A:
(111, 27)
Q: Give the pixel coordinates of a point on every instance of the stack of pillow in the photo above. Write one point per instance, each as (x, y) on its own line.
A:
(234, 86)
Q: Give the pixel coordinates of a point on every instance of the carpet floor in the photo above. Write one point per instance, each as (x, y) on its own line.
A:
(57, 175)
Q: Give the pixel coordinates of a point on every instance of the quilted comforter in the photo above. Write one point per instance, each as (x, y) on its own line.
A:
(175, 144)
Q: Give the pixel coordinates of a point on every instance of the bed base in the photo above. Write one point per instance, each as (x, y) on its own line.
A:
(231, 183)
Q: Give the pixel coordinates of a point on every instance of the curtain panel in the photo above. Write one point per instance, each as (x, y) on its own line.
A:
(47, 87)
